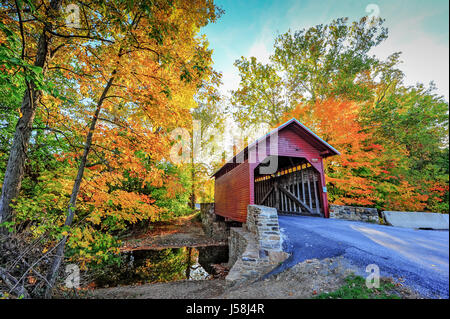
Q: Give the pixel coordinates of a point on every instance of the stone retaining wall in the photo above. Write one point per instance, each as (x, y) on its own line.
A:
(364, 214)
(263, 222)
(243, 255)
(214, 227)
(255, 249)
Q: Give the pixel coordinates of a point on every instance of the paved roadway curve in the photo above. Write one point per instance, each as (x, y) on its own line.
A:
(420, 257)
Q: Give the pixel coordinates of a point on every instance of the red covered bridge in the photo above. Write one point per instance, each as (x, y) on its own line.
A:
(283, 169)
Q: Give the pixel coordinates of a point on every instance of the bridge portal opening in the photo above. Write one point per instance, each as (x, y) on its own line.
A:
(294, 188)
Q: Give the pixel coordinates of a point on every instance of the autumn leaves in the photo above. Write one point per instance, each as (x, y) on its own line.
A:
(126, 76)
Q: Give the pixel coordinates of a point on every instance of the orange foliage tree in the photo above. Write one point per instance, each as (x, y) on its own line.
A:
(371, 170)
(142, 86)
(348, 176)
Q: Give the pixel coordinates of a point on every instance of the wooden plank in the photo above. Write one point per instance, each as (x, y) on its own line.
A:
(298, 188)
(309, 188)
(266, 196)
(294, 203)
(292, 189)
(303, 186)
(315, 193)
(277, 195)
(291, 203)
(258, 195)
(295, 187)
(292, 197)
(286, 186)
(293, 192)
(288, 192)
(272, 198)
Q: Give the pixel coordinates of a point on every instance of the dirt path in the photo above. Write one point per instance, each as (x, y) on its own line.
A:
(185, 289)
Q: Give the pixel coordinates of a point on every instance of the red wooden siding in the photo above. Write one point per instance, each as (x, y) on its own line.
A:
(232, 193)
(289, 142)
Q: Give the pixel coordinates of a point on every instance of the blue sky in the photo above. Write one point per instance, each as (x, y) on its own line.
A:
(419, 29)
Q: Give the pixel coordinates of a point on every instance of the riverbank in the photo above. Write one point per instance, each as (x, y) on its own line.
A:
(303, 281)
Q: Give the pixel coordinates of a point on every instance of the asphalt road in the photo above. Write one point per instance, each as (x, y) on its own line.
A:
(418, 258)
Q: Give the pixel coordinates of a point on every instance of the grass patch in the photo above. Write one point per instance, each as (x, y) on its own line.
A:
(355, 288)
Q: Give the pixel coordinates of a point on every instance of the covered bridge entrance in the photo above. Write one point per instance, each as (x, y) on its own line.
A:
(294, 188)
(283, 169)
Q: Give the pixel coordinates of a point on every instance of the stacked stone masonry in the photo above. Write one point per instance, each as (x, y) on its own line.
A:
(364, 214)
(212, 225)
(256, 248)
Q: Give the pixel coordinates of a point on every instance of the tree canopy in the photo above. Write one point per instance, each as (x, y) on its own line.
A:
(393, 138)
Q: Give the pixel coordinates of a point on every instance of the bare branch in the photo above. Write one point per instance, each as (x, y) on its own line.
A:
(13, 284)
(69, 36)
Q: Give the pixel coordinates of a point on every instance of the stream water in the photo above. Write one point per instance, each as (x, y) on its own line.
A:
(150, 266)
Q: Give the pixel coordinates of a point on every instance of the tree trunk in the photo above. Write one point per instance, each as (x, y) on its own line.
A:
(192, 196)
(59, 255)
(189, 261)
(17, 157)
(192, 203)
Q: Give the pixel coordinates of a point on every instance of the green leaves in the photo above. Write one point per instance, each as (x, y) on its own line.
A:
(16, 72)
(412, 123)
(325, 60)
(310, 64)
(355, 288)
(259, 98)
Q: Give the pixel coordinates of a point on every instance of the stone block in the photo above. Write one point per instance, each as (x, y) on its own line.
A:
(277, 256)
(364, 214)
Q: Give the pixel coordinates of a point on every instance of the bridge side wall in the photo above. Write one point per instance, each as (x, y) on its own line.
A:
(232, 193)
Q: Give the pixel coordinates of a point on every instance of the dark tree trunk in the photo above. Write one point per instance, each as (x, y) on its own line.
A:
(17, 157)
(189, 262)
(192, 196)
(59, 254)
